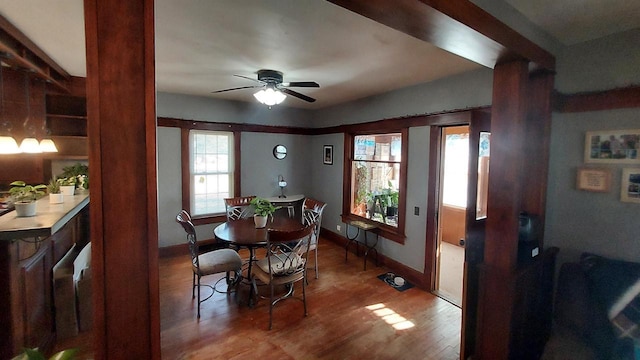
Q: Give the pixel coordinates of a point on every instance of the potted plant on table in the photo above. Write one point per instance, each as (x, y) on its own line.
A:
(263, 209)
(55, 196)
(25, 196)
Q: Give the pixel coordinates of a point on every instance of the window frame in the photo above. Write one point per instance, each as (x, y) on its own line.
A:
(396, 234)
(186, 173)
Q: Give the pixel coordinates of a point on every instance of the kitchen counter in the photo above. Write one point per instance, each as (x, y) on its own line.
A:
(48, 220)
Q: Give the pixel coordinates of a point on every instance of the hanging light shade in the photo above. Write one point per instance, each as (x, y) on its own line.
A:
(48, 146)
(30, 146)
(8, 145)
(270, 96)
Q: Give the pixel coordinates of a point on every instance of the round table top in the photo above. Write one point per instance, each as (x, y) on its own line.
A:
(243, 232)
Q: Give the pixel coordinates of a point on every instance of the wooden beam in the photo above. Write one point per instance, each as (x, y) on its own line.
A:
(19, 51)
(122, 153)
(628, 97)
(457, 26)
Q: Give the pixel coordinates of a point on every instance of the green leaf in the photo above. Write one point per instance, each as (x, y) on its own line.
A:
(68, 354)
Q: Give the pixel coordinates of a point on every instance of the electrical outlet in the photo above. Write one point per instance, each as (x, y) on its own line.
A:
(338, 227)
(416, 211)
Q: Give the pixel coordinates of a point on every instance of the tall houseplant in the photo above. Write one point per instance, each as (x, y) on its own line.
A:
(262, 209)
(25, 196)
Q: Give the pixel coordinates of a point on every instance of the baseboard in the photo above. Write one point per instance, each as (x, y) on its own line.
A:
(183, 249)
(412, 275)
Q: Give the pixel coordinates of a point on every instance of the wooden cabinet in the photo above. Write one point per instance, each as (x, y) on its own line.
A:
(67, 123)
(27, 315)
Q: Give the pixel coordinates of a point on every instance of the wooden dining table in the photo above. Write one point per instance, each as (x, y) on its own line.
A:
(243, 233)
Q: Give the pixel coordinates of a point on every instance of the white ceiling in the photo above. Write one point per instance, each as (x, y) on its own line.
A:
(200, 45)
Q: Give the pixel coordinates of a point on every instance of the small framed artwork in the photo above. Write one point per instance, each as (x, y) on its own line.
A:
(630, 189)
(593, 179)
(612, 147)
(327, 154)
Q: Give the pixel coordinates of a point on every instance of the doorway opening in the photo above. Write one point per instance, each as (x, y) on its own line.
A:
(452, 207)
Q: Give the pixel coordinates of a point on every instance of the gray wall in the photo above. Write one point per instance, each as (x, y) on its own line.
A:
(580, 221)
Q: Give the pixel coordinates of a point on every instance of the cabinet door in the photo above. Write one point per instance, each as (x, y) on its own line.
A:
(37, 317)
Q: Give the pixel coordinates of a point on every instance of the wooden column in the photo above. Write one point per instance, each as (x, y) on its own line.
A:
(508, 118)
(122, 159)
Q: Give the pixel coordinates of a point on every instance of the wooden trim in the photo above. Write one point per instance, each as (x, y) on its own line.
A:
(619, 98)
(431, 231)
(184, 158)
(237, 168)
(457, 26)
(452, 117)
(225, 126)
(182, 249)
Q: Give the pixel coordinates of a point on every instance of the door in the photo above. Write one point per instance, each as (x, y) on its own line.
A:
(476, 214)
(452, 205)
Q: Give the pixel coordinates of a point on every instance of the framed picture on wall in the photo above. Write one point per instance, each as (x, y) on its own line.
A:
(327, 154)
(612, 147)
(593, 179)
(630, 188)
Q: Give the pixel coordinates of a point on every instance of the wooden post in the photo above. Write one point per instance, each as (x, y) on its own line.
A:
(122, 163)
(508, 118)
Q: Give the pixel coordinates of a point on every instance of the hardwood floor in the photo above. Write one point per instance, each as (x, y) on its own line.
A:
(351, 315)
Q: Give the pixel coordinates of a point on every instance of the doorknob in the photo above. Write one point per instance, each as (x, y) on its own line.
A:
(461, 242)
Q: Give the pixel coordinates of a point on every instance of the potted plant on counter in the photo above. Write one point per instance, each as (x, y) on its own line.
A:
(263, 209)
(25, 196)
(67, 185)
(55, 196)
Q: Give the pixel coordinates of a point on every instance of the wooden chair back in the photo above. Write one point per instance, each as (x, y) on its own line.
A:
(238, 207)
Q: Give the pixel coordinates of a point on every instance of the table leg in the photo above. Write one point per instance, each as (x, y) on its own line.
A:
(349, 241)
(369, 248)
(252, 258)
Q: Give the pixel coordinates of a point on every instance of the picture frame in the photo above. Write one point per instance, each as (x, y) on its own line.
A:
(593, 179)
(630, 185)
(327, 154)
(612, 147)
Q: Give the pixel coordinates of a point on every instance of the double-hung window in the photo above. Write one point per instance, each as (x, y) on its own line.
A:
(377, 168)
(211, 171)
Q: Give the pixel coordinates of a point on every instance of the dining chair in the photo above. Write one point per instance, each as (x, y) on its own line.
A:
(209, 263)
(312, 214)
(283, 265)
(238, 207)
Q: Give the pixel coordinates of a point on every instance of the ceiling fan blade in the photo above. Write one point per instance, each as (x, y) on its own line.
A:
(248, 78)
(301, 84)
(298, 95)
(238, 88)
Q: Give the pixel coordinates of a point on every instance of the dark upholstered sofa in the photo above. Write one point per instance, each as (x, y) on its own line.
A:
(584, 295)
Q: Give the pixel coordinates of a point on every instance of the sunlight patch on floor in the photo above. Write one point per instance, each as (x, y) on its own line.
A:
(390, 317)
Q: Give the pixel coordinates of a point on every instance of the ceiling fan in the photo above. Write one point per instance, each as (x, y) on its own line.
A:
(270, 81)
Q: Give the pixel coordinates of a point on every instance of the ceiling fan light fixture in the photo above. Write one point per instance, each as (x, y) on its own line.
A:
(270, 96)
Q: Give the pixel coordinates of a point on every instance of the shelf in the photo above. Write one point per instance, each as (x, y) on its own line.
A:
(69, 117)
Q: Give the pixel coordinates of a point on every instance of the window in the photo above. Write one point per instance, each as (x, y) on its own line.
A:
(211, 171)
(376, 180)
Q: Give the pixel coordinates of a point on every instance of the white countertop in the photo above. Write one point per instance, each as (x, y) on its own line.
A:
(48, 220)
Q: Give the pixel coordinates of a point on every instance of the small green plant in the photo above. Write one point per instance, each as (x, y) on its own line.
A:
(262, 207)
(67, 181)
(35, 354)
(23, 193)
(79, 173)
(53, 187)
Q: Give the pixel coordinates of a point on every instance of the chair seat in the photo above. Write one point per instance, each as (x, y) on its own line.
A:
(281, 264)
(263, 276)
(218, 261)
